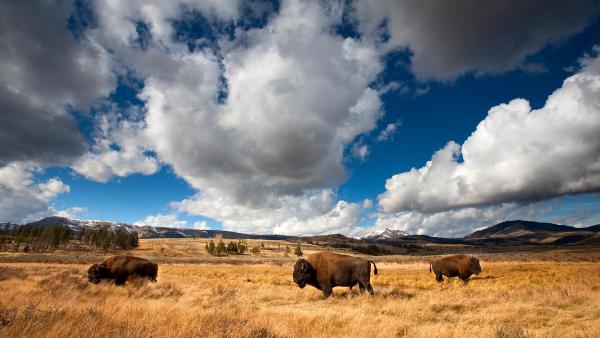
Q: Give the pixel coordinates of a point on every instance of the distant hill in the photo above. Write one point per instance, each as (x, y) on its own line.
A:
(520, 228)
(528, 232)
(592, 240)
(334, 238)
(593, 228)
(503, 237)
(79, 225)
(145, 231)
(517, 230)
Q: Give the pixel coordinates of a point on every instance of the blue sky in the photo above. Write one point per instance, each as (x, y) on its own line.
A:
(270, 117)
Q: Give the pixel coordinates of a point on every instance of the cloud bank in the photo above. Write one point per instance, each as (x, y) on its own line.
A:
(451, 38)
(318, 212)
(44, 70)
(21, 196)
(516, 154)
(171, 221)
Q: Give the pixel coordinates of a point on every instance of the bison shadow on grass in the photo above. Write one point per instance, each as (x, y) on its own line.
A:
(119, 268)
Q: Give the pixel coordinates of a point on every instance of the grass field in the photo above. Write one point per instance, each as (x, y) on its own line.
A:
(517, 295)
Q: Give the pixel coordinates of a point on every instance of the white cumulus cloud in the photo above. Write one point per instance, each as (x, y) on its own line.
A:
(160, 220)
(119, 149)
(171, 220)
(388, 132)
(516, 154)
(311, 213)
(21, 196)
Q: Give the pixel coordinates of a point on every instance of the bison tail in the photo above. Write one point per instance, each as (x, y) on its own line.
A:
(374, 266)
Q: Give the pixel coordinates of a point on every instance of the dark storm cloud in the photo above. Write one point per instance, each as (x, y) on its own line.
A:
(43, 70)
(449, 38)
(30, 133)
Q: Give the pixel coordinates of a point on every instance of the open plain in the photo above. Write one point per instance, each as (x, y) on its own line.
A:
(547, 294)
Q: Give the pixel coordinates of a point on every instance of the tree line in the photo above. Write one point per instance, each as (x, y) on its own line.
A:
(237, 248)
(50, 238)
(241, 246)
(369, 249)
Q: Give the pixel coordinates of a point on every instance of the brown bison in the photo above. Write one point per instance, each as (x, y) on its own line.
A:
(121, 267)
(325, 270)
(462, 266)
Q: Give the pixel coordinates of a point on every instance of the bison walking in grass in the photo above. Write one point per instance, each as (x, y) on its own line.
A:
(461, 266)
(120, 268)
(325, 270)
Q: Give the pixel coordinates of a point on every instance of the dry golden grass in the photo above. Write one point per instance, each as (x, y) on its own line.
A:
(511, 298)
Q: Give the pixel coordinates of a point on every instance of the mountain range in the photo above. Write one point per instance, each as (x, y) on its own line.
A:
(146, 231)
(538, 233)
(516, 229)
(509, 233)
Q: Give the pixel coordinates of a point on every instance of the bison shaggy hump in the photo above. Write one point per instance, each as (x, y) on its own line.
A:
(120, 268)
(461, 266)
(325, 270)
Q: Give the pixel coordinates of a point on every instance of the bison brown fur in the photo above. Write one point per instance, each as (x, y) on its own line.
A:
(120, 268)
(325, 270)
(461, 266)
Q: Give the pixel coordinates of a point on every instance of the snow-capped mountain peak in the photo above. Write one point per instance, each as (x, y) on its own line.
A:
(385, 235)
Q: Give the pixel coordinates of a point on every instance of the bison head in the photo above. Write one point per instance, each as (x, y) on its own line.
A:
(303, 273)
(474, 265)
(96, 273)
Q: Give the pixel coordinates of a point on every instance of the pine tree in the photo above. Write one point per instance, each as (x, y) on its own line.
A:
(134, 240)
(232, 247)
(298, 250)
(210, 247)
(220, 247)
(242, 247)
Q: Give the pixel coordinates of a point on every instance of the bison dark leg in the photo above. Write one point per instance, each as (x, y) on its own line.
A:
(352, 285)
(327, 290)
(465, 278)
(439, 278)
(120, 280)
(361, 287)
(370, 288)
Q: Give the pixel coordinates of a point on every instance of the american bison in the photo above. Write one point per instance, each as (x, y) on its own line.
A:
(462, 266)
(325, 270)
(121, 267)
